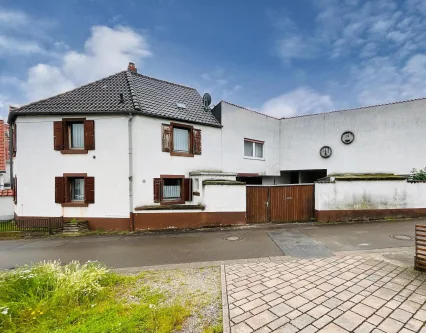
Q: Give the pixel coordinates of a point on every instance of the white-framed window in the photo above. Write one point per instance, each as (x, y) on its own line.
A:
(253, 148)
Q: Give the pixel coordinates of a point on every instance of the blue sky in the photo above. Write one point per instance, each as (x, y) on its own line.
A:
(282, 58)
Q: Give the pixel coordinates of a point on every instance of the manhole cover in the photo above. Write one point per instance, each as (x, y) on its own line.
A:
(232, 238)
(402, 237)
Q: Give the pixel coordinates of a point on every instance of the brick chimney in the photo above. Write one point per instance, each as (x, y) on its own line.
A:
(132, 67)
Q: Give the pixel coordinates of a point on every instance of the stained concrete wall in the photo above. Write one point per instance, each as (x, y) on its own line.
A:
(369, 195)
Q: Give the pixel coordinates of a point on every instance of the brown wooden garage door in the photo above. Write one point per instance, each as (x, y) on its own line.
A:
(286, 203)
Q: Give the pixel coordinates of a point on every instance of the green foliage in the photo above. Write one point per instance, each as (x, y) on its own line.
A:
(85, 298)
(416, 175)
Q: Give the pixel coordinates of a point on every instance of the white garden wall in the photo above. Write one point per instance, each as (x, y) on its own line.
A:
(6, 208)
(369, 195)
(224, 198)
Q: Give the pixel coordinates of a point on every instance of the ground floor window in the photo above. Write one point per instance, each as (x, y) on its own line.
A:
(74, 189)
(172, 189)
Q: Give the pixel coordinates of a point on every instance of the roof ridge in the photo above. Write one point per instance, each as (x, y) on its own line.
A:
(133, 96)
(356, 109)
(242, 107)
(68, 91)
(164, 81)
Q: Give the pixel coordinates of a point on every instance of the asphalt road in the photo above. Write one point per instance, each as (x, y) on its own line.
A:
(205, 245)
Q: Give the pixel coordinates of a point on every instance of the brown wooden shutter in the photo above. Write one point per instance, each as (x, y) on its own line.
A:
(58, 135)
(59, 190)
(196, 142)
(15, 190)
(187, 188)
(89, 189)
(157, 189)
(166, 137)
(89, 134)
(14, 140)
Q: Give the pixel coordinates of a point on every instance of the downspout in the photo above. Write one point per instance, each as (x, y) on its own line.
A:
(132, 222)
(12, 178)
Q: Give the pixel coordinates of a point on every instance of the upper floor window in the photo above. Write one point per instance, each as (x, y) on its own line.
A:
(253, 148)
(74, 135)
(181, 140)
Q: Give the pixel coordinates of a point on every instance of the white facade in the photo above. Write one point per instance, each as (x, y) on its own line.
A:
(225, 198)
(357, 195)
(239, 124)
(37, 164)
(388, 139)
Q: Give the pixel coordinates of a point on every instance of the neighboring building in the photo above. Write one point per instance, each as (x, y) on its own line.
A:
(130, 151)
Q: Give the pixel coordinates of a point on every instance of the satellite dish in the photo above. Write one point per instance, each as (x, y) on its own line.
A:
(207, 99)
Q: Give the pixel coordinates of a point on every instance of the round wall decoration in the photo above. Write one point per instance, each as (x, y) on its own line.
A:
(325, 152)
(348, 137)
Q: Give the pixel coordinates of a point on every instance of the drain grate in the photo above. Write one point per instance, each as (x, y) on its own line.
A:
(232, 238)
(402, 237)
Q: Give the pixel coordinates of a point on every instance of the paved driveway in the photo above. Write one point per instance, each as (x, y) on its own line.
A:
(336, 294)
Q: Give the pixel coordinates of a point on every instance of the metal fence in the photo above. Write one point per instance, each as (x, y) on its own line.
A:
(47, 225)
(420, 258)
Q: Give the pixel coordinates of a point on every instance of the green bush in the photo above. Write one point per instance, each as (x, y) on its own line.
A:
(417, 174)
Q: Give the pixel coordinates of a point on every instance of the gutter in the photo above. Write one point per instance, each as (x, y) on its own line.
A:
(130, 132)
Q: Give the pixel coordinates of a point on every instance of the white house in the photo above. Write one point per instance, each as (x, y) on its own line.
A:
(134, 152)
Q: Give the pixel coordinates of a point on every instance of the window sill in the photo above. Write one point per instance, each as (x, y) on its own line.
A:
(74, 204)
(254, 158)
(174, 202)
(74, 151)
(175, 153)
(170, 207)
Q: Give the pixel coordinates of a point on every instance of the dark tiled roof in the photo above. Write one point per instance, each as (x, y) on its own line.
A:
(141, 94)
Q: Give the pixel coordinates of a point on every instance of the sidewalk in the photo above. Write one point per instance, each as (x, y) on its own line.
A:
(335, 294)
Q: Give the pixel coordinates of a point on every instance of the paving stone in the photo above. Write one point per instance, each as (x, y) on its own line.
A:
(383, 312)
(264, 329)
(401, 315)
(261, 319)
(307, 307)
(293, 314)
(297, 301)
(374, 302)
(322, 321)
(302, 321)
(260, 309)
(258, 288)
(278, 323)
(241, 317)
(332, 303)
(346, 306)
(421, 315)
(410, 306)
(309, 329)
(332, 328)
(271, 296)
(242, 294)
(287, 328)
(414, 324)
(417, 298)
(235, 312)
(390, 325)
(241, 328)
(253, 304)
(375, 320)
(335, 313)
(320, 300)
(385, 293)
(286, 290)
(349, 320)
(281, 309)
(363, 310)
(312, 294)
(365, 328)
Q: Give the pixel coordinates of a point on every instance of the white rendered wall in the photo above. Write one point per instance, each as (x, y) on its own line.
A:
(6, 208)
(225, 198)
(388, 139)
(149, 161)
(239, 123)
(37, 164)
(350, 195)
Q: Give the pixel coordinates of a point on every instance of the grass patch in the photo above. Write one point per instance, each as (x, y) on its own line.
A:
(83, 298)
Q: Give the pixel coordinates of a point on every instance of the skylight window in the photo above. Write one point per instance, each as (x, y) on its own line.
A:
(181, 105)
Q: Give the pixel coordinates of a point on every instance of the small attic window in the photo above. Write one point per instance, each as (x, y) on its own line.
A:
(181, 105)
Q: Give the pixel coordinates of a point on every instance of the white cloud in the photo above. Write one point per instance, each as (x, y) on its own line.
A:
(13, 18)
(108, 50)
(297, 102)
(219, 84)
(10, 45)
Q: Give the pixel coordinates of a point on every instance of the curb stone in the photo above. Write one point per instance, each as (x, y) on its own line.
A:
(225, 306)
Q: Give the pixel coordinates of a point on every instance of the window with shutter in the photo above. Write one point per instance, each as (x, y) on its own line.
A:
(157, 190)
(75, 190)
(166, 138)
(74, 135)
(89, 190)
(89, 134)
(187, 187)
(181, 140)
(197, 142)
